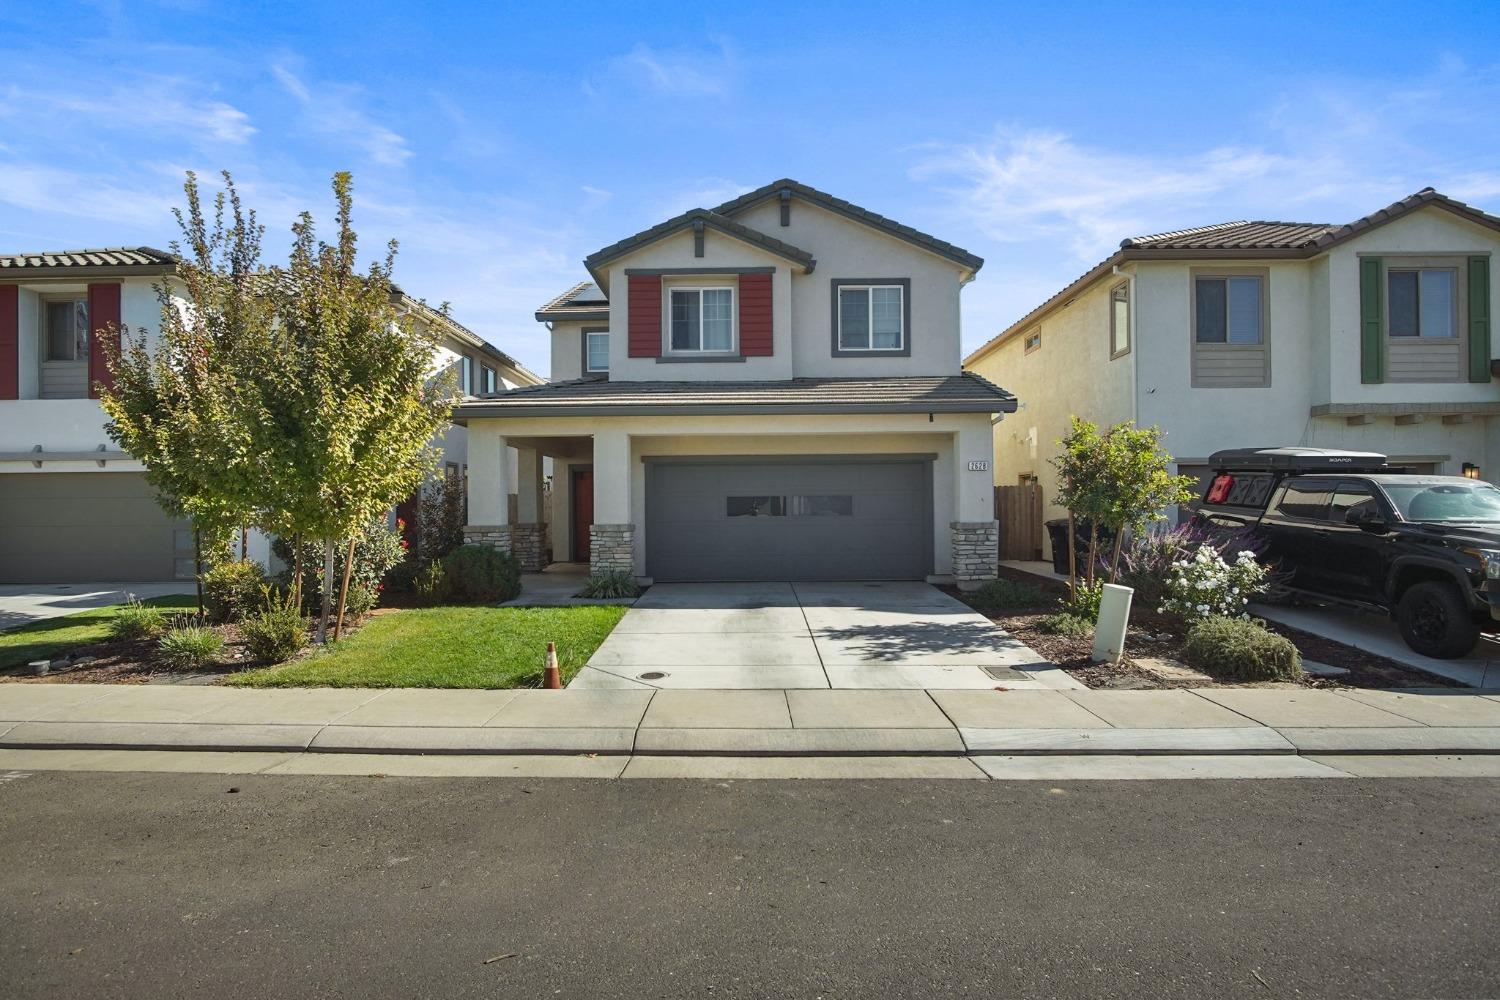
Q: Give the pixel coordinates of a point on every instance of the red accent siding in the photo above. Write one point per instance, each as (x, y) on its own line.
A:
(645, 316)
(104, 321)
(755, 315)
(10, 342)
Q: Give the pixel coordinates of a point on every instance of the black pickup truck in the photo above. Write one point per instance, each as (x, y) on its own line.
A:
(1348, 528)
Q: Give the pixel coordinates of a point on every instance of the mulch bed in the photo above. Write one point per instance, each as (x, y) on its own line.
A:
(134, 661)
(1162, 636)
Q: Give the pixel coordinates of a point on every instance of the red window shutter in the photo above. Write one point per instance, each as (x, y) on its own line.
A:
(10, 342)
(645, 316)
(104, 321)
(755, 315)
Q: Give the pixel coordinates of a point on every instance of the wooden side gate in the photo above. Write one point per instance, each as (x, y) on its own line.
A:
(1019, 511)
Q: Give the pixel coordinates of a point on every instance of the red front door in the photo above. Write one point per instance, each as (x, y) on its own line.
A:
(583, 513)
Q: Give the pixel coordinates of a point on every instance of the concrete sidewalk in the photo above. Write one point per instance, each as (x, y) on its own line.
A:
(1210, 721)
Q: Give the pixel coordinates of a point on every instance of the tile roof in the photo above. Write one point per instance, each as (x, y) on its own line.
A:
(822, 198)
(1241, 239)
(1234, 236)
(592, 304)
(711, 219)
(103, 257)
(965, 393)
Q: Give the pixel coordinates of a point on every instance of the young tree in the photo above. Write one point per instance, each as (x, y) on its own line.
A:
(1120, 480)
(173, 404)
(345, 400)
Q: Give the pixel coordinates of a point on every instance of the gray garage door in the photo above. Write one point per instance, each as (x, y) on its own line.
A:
(825, 519)
(78, 527)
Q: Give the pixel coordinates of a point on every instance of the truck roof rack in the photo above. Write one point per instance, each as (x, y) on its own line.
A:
(1298, 459)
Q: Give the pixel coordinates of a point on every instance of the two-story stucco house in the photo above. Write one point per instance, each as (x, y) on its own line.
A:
(75, 507)
(767, 390)
(1371, 336)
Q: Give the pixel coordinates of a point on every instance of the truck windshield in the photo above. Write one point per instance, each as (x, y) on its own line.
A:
(1445, 501)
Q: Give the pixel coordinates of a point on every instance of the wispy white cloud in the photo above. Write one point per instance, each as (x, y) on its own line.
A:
(703, 192)
(156, 106)
(683, 73)
(333, 110)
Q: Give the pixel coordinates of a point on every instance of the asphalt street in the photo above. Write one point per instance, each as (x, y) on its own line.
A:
(187, 885)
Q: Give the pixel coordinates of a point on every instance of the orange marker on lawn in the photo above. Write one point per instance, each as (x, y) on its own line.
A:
(551, 679)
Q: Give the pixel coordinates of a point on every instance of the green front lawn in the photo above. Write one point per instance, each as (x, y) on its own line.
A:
(449, 647)
(51, 636)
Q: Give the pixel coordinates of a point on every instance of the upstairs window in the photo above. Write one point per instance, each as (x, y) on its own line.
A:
(1227, 310)
(1423, 302)
(466, 375)
(871, 318)
(66, 329)
(1033, 341)
(701, 320)
(487, 380)
(596, 351)
(1119, 320)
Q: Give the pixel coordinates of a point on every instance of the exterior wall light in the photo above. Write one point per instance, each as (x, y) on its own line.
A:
(1470, 470)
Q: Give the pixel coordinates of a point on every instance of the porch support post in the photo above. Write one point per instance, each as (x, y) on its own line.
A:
(489, 486)
(612, 535)
(528, 533)
(975, 532)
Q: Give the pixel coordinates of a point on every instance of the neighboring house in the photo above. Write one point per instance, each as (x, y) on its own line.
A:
(75, 507)
(1370, 336)
(767, 390)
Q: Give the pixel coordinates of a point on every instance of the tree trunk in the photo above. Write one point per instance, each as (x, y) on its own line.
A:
(327, 589)
(1093, 551)
(1114, 562)
(338, 626)
(198, 568)
(297, 571)
(1072, 559)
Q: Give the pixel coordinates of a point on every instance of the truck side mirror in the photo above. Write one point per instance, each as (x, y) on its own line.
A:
(1368, 519)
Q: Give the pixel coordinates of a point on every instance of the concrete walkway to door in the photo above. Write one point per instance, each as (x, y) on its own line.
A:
(811, 635)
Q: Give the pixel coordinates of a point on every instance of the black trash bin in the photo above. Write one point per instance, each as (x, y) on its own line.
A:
(1057, 530)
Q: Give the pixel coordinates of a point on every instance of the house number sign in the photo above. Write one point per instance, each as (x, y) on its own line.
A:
(980, 466)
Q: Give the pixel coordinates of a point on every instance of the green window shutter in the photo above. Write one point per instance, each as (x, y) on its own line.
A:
(1479, 319)
(1371, 320)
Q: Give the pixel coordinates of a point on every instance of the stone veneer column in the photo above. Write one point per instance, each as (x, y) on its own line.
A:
(494, 535)
(976, 553)
(612, 548)
(529, 543)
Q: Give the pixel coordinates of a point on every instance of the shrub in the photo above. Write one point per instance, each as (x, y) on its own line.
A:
(1206, 586)
(137, 621)
(278, 631)
(1004, 595)
(378, 550)
(480, 574)
(441, 517)
(428, 584)
(1084, 603)
(188, 647)
(612, 584)
(1065, 623)
(231, 590)
(1241, 649)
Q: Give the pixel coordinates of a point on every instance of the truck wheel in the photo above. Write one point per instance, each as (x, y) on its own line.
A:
(1435, 621)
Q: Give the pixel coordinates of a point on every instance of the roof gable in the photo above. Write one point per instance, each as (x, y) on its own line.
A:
(688, 220)
(851, 211)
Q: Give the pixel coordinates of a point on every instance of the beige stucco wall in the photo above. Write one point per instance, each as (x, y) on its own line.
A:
(1071, 374)
(848, 249)
(620, 445)
(567, 348)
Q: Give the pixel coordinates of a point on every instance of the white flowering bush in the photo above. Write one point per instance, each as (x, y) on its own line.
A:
(1207, 586)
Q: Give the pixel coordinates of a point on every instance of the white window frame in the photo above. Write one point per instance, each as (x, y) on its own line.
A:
(734, 321)
(45, 334)
(869, 289)
(588, 335)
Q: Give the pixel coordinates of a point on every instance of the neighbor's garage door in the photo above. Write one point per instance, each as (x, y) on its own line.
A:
(67, 527)
(827, 519)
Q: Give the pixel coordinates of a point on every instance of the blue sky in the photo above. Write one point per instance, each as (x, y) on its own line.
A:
(501, 143)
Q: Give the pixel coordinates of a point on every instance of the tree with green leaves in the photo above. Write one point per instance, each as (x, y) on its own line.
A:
(344, 402)
(174, 403)
(1121, 480)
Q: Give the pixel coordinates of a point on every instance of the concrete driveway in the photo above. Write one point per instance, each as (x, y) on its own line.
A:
(21, 603)
(811, 635)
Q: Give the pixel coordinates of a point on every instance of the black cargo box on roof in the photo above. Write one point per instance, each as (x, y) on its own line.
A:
(1297, 460)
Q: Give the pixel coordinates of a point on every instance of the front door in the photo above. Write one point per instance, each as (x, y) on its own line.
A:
(583, 513)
